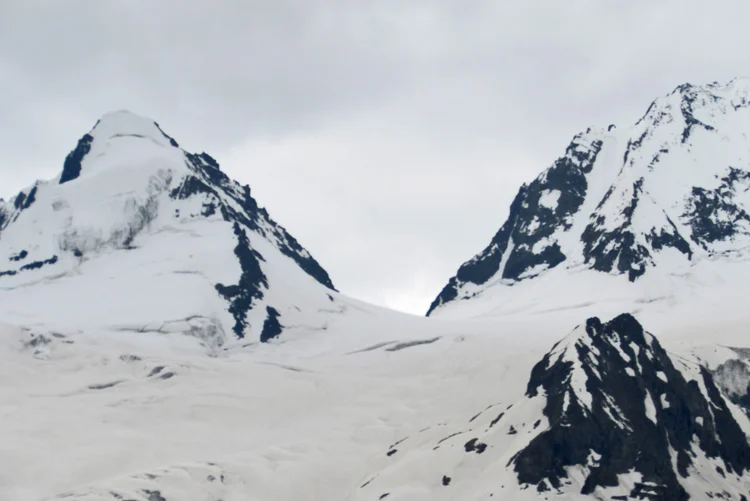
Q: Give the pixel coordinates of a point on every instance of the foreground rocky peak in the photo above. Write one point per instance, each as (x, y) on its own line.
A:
(607, 414)
(129, 194)
(661, 195)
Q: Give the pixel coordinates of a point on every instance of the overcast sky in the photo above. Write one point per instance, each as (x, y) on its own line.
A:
(388, 136)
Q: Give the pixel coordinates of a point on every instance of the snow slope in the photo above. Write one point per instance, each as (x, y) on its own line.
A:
(138, 284)
(139, 235)
(647, 213)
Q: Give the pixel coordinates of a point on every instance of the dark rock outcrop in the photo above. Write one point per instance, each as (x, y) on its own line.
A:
(636, 411)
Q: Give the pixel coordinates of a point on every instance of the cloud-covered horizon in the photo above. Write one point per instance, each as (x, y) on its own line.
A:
(389, 137)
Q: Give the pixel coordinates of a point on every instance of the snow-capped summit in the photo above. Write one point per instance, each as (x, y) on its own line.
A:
(655, 200)
(137, 234)
(608, 413)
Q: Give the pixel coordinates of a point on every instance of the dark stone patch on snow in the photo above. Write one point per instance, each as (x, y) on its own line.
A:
(497, 419)
(481, 412)
(271, 325)
(410, 344)
(167, 375)
(156, 370)
(449, 437)
(30, 198)
(189, 187)
(35, 265)
(666, 239)
(474, 445)
(712, 214)
(384, 495)
(130, 358)
(20, 256)
(72, 165)
(7, 273)
(391, 452)
(210, 168)
(171, 140)
(633, 146)
(209, 209)
(398, 443)
(36, 341)
(19, 200)
(104, 386)
(446, 480)
(248, 289)
(24, 201)
(629, 441)
(530, 222)
(154, 495)
(371, 347)
(686, 107)
(603, 249)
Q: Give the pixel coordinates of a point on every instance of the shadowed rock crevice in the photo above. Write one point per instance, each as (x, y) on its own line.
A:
(249, 287)
(271, 326)
(72, 165)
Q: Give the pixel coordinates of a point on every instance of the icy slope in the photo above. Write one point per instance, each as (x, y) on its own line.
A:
(607, 414)
(654, 201)
(137, 234)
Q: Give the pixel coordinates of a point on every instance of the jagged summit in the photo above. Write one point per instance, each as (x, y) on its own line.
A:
(164, 234)
(653, 199)
(608, 413)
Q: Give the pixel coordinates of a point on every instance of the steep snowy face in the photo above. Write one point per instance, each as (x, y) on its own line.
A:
(607, 413)
(672, 189)
(138, 234)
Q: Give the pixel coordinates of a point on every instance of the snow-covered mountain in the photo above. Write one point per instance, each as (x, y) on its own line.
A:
(646, 205)
(115, 267)
(607, 414)
(136, 234)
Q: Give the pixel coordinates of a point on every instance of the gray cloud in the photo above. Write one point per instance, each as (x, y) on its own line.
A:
(388, 136)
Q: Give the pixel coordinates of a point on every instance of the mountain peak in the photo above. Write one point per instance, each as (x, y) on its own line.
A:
(125, 123)
(129, 197)
(113, 136)
(608, 413)
(654, 199)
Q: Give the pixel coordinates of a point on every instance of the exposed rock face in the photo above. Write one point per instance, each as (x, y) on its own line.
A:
(523, 247)
(615, 394)
(629, 202)
(608, 413)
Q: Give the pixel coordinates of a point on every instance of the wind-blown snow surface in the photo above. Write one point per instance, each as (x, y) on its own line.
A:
(655, 212)
(138, 235)
(103, 416)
